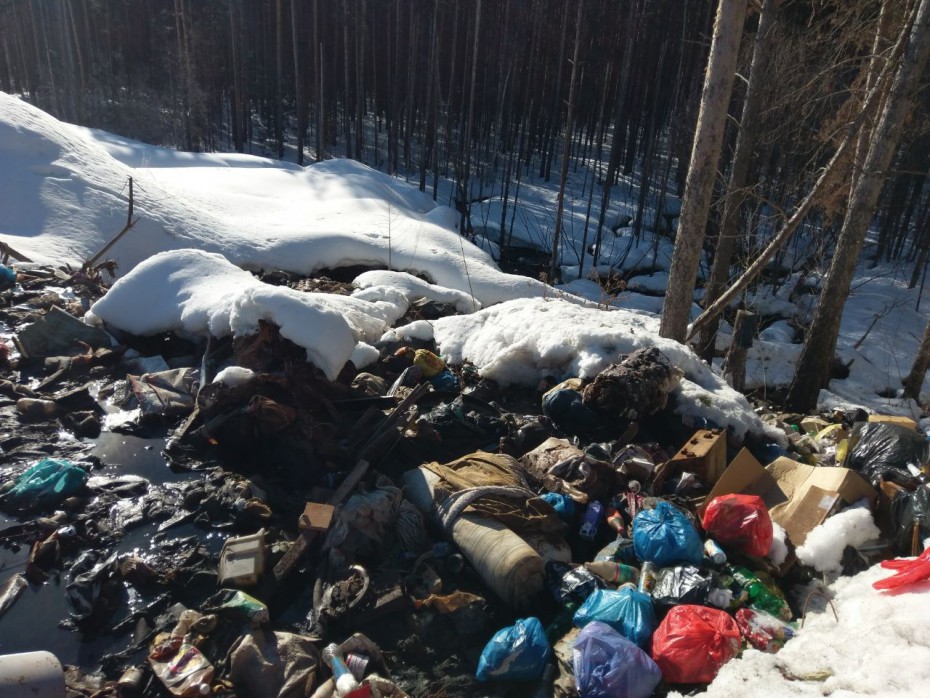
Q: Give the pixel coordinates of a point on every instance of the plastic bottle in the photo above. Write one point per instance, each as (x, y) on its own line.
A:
(345, 681)
(614, 572)
(562, 622)
(615, 521)
(761, 596)
(592, 519)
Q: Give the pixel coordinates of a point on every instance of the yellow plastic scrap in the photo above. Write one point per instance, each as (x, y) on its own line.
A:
(829, 432)
(841, 449)
(429, 363)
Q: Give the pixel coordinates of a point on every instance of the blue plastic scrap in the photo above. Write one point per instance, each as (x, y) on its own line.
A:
(47, 482)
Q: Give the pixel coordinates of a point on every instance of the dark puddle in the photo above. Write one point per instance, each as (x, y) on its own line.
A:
(34, 621)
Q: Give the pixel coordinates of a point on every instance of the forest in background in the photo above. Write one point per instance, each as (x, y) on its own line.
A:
(483, 93)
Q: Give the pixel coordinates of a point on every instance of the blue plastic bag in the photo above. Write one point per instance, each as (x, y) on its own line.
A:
(565, 408)
(607, 665)
(563, 504)
(519, 652)
(47, 482)
(627, 611)
(665, 536)
(7, 277)
(445, 382)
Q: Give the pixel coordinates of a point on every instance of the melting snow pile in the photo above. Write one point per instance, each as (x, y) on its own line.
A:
(823, 547)
(521, 341)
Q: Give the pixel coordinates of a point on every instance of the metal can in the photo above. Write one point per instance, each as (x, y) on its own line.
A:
(130, 683)
(714, 552)
(647, 577)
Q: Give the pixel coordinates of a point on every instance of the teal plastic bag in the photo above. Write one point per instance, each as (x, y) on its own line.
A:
(627, 611)
(665, 536)
(516, 653)
(47, 482)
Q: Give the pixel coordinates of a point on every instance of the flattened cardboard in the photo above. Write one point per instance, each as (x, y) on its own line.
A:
(892, 419)
(799, 497)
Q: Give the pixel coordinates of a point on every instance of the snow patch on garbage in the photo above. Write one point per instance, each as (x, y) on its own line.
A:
(521, 341)
(202, 293)
(823, 547)
(885, 648)
(778, 552)
(374, 285)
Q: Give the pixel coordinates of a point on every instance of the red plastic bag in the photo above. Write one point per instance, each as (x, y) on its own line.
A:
(908, 572)
(693, 642)
(741, 522)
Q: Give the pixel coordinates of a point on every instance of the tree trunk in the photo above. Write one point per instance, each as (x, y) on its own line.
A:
(317, 78)
(739, 171)
(346, 121)
(813, 369)
(465, 219)
(705, 152)
(915, 379)
(427, 153)
(298, 83)
(553, 261)
(236, 108)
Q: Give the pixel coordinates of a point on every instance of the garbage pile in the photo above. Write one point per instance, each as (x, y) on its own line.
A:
(413, 529)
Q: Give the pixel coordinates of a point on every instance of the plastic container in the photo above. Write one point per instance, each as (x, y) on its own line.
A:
(592, 519)
(242, 560)
(31, 675)
(345, 681)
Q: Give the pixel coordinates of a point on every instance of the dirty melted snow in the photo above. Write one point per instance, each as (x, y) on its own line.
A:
(63, 196)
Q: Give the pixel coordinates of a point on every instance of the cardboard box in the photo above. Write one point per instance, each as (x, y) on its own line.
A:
(705, 455)
(316, 517)
(799, 497)
(892, 419)
(812, 425)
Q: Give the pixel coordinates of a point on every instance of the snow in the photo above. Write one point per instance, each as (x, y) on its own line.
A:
(778, 551)
(63, 193)
(201, 294)
(878, 645)
(521, 341)
(233, 376)
(823, 547)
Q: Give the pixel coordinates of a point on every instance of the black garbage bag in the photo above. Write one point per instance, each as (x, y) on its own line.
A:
(683, 584)
(884, 451)
(566, 409)
(571, 584)
(910, 509)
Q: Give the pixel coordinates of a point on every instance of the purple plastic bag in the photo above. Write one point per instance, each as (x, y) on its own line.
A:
(607, 665)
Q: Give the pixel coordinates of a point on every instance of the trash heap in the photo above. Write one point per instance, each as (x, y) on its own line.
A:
(413, 529)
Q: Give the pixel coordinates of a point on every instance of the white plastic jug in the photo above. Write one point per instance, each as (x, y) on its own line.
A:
(31, 675)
